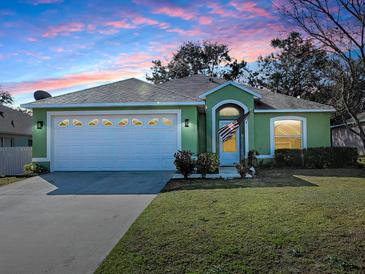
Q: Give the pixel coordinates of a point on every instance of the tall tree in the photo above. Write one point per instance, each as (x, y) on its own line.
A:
(296, 68)
(348, 97)
(339, 27)
(5, 97)
(208, 58)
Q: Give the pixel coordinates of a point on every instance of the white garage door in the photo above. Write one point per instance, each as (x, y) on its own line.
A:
(114, 142)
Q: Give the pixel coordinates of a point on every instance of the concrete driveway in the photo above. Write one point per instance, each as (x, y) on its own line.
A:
(68, 222)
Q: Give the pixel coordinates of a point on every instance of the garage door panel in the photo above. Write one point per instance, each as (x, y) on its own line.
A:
(100, 147)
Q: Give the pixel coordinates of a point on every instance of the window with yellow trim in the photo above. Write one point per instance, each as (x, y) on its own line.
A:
(64, 123)
(123, 122)
(153, 122)
(76, 123)
(288, 134)
(93, 122)
(107, 122)
(167, 121)
(137, 122)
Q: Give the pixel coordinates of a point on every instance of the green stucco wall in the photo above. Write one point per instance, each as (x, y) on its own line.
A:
(229, 93)
(189, 135)
(318, 129)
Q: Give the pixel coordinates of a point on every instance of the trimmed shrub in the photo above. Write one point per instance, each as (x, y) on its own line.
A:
(319, 157)
(329, 157)
(207, 163)
(288, 158)
(34, 169)
(184, 162)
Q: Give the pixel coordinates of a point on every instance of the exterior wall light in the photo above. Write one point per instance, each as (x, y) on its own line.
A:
(39, 124)
(186, 122)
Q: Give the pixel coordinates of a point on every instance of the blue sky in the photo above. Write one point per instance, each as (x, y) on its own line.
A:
(64, 45)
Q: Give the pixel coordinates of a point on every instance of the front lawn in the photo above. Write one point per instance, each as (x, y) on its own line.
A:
(10, 180)
(317, 224)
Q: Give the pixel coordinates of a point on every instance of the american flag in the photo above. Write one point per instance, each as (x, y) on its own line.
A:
(228, 130)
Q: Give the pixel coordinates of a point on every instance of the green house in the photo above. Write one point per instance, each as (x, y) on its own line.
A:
(135, 125)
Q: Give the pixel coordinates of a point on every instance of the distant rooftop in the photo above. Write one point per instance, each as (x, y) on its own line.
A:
(14, 122)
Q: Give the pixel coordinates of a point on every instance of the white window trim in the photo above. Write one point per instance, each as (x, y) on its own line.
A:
(303, 120)
(51, 114)
(214, 131)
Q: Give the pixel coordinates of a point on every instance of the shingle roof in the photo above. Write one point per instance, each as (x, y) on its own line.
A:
(196, 85)
(125, 91)
(15, 122)
(182, 90)
(272, 100)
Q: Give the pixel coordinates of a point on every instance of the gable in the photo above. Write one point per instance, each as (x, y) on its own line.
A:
(233, 84)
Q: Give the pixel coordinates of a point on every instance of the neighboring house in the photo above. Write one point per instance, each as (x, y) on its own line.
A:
(134, 125)
(343, 137)
(15, 128)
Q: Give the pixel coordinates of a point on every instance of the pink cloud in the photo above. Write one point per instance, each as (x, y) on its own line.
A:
(64, 29)
(164, 25)
(250, 7)
(58, 49)
(36, 55)
(119, 24)
(175, 12)
(136, 61)
(108, 31)
(32, 39)
(217, 9)
(68, 81)
(140, 20)
(205, 20)
(191, 32)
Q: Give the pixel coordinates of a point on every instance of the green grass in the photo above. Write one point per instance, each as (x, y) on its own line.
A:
(314, 228)
(9, 180)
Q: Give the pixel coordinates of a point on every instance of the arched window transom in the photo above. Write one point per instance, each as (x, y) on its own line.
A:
(229, 111)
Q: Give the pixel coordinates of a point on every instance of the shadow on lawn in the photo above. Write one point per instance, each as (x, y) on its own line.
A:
(194, 184)
(326, 172)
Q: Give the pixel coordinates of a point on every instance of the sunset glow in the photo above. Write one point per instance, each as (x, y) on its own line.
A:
(58, 45)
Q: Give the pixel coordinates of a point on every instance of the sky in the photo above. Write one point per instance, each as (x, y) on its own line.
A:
(66, 45)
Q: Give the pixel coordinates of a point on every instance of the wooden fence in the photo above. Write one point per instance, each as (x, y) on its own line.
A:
(13, 159)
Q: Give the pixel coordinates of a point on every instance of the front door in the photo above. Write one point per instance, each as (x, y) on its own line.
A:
(229, 150)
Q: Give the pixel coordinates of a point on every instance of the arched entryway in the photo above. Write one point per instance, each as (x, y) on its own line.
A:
(235, 149)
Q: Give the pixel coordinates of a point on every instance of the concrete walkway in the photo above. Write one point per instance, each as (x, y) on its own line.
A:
(54, 225)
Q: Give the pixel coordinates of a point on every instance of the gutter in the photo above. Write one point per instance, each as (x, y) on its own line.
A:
(293, 110)
(141, 104)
